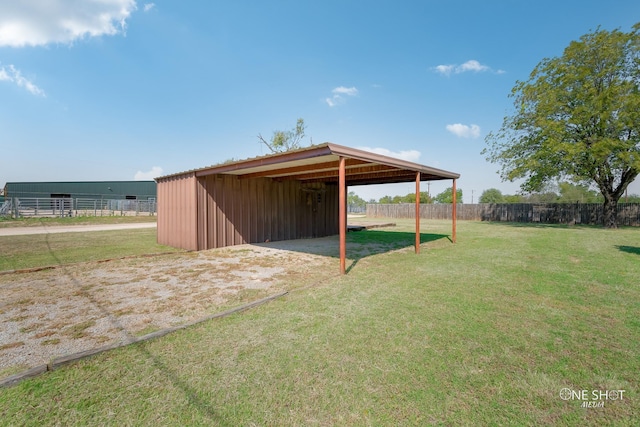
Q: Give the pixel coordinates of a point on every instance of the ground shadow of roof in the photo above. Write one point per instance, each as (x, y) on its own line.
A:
(360, 244)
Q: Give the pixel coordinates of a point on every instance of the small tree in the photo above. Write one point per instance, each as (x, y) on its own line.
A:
(425, 198)
(573, 193)
(514, 198)
(447, 196)
(282, 141)
(542, 197)
(577, 118)
(355, 202)
(492, 195)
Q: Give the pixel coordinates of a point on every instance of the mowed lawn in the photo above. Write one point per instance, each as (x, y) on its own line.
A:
(45, 250)
(488, 331)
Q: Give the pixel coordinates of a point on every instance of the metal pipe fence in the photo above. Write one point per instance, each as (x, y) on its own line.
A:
(67, 207)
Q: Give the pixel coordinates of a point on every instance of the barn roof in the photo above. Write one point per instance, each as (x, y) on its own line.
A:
(319, 163)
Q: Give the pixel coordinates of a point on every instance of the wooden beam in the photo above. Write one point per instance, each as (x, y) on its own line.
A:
(342, 207)
(453, 213)
(417, 212)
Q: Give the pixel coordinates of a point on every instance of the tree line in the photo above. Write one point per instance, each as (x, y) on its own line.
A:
(563, 192)
(353, 200)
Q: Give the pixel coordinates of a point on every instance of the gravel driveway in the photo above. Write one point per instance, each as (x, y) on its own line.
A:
(45, 229)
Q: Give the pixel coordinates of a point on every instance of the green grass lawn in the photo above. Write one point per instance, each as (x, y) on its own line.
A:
(484, 332)
(42, 250)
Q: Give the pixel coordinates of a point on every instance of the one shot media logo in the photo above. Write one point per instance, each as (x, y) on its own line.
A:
(592, 398)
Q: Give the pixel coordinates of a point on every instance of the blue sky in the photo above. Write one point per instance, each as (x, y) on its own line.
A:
(122, 90)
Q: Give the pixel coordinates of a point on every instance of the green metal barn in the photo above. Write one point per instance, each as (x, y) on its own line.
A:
(88, 198)
(128, 190)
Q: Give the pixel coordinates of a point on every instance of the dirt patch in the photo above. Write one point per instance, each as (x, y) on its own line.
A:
(74, 308)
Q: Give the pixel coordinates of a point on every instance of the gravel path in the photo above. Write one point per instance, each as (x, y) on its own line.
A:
(44, 229)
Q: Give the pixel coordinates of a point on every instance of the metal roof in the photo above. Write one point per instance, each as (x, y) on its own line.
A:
(319, 163)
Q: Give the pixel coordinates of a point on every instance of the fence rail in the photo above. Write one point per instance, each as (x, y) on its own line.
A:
(548, 213)
(66, 207)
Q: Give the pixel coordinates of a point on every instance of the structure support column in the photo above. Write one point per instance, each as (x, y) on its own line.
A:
(342, 208)
(417, 212)
(453, 212)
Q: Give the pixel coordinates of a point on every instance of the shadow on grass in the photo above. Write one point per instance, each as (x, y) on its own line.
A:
(360, 244)
(365, 243)
(629, 249)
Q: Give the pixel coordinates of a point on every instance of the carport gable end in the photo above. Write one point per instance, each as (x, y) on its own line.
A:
(292, 195)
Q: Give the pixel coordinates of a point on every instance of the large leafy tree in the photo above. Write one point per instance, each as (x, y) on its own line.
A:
(577, 118)
(355, 201)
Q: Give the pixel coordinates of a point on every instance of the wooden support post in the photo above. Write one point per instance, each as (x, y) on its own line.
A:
(342, 207)
(417, 212)
(453, 213)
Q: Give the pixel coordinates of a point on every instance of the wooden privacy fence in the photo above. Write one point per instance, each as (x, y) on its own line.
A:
(548, 213)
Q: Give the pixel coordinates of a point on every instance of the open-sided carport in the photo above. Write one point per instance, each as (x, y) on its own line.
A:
(291, 195)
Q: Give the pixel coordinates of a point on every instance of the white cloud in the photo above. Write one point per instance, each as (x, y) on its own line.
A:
(155, 172)
(38, 22)
(408, 155)
(471, 65)
(339, 94)
(445, 69)
(13, 75)
(149, 6)
(464, 131)
(350, 91)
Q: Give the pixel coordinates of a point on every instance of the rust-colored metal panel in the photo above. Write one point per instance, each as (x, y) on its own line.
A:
(233, 211)
(261, 234)
(202, 209)
(177, 213)
(222, 210)
(245, 234)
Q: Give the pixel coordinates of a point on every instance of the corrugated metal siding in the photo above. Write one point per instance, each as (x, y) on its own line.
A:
(224, 210)
(177, 211)
(233, 211)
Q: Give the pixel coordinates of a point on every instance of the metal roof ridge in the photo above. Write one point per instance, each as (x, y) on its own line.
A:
(391, 161)
(323, 149)
(232, 165)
